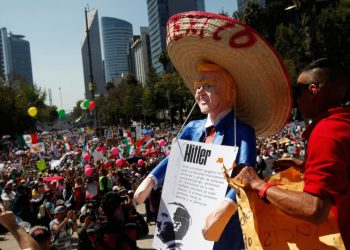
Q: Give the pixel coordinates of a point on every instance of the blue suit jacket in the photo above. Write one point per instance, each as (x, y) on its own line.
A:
(231, 238)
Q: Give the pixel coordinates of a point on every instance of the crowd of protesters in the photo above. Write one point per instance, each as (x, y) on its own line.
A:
(61, 187)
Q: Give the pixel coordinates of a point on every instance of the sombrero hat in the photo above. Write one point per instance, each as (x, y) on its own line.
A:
(264, 98)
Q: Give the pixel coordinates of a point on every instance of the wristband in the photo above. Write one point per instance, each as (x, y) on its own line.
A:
(262, 192)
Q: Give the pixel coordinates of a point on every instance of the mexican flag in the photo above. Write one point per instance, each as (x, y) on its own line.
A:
(28, 139)
(141, 143)
(82, 130)
(68, 146)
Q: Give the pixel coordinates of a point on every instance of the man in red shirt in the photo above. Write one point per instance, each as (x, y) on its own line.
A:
(322, 89)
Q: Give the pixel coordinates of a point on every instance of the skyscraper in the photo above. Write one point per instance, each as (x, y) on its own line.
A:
(4, 56)
(20, 59)
(116, 37)
(159, 12)
(96, 70)
(141, 56)
(15, 59)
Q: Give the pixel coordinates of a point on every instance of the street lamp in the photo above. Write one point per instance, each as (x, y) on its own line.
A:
(92, 88)
(60, 97)
(92, 85)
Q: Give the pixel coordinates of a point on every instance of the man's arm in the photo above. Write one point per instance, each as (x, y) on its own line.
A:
(24, 240)
(301, 205)
(57, 228)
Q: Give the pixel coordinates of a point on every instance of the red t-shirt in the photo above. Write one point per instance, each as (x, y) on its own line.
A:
(327, 165)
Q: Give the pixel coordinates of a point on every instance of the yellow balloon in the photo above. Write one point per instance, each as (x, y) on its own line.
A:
(32, 111)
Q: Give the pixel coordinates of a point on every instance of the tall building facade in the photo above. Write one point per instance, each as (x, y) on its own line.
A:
(4, 56)
(141, 56)
(15, 59)
(21, 63)
(241, 4)
(116, 36)
(159, 12)
(93, 65)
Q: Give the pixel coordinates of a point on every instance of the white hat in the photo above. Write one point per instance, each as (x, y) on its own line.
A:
(60, 210)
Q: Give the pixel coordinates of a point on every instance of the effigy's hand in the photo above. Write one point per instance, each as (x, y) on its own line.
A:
(143, 191)
(217, 219)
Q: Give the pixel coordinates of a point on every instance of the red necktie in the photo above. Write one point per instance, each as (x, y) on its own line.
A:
(210, 134)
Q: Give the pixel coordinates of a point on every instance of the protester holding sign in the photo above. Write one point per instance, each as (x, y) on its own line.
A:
(321, 92)
(231, 71)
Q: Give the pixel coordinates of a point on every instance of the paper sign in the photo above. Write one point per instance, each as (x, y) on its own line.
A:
(264, 226)
(98, 156)
(41, 165)
(17, 165)
(193, 187)
(36, 148)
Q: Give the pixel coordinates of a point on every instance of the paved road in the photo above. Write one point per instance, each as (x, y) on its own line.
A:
(7, 242)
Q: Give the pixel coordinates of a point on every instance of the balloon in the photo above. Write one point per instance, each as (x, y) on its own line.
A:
(82, 105)
(114, 151)
(86, 156)
(61, 113)
(162, 142)
(86, 104)
(89, 171)
(101, 149)
(105, 165)
(32, 111)
(140, 163)
(92, 105)
(119, 163)
(87, 166)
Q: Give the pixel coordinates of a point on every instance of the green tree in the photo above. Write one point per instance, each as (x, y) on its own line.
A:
(173, 95)
(164, 60)
(148, 103)
(77, 111)
(333, 32)
(15, 103)
(253, 15)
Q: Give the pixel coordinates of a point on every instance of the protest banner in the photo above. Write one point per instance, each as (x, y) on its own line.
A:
(193, 187)
(41, 165)
(37, 148)
(264, 226)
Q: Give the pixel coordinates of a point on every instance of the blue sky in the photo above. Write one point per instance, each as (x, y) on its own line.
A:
(55, 31)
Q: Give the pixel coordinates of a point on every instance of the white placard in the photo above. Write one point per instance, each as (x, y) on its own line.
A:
(36, 148)
(193, 186)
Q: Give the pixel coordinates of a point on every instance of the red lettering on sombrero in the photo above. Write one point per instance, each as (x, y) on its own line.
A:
(198, 24)
(192, 23)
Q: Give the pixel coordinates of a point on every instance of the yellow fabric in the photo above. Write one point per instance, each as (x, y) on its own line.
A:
(264, 226)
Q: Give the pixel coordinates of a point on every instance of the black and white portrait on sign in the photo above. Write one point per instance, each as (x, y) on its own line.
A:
(172, 225)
